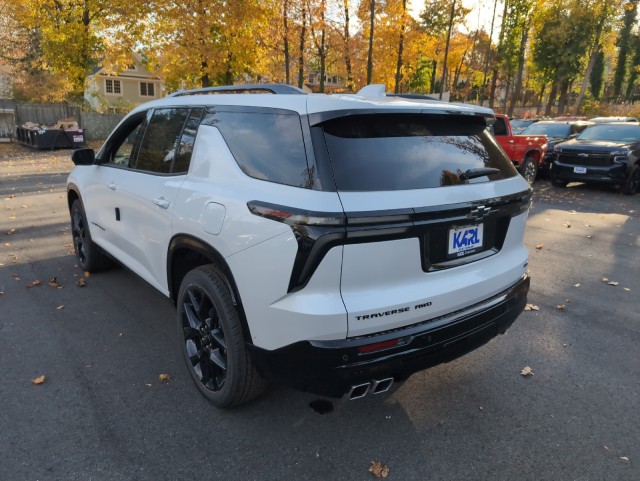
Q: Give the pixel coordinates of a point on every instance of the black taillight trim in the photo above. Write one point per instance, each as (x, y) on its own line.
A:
(318, 232)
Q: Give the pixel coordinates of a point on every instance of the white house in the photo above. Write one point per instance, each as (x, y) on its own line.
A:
(123, 90)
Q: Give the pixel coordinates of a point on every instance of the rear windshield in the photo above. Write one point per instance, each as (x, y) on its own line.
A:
(384, 152)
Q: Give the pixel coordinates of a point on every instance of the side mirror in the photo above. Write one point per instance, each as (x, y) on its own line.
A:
(83, 157)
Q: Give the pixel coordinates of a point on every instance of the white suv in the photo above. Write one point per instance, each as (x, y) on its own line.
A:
(333, 243)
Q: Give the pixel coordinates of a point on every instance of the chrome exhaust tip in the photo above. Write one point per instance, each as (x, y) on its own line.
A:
(359, 391)
(382, 385)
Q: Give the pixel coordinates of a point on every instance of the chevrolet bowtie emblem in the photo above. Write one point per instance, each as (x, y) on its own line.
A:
(479, 213)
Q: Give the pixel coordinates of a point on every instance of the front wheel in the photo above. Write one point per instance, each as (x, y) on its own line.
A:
(632, 183)
(212, 341)
(529, 169)
(90, 256)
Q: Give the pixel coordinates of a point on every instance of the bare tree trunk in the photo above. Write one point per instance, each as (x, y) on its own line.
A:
(322, 50)
(303, 32)
(400, 48)
(540, 99)
(494, 79)
(592, 61)
(434, 67)
(372, 6)
(347, 47)
(285, 17)
(488, 56)
(446, 48)
(564, 93)
(552, 99)
(521, 60)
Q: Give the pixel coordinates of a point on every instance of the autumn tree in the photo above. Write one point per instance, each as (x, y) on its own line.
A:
(75, 35)
(624, 45)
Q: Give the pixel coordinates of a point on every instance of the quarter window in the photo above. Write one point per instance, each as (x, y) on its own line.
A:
(267, 146)
(188, 138)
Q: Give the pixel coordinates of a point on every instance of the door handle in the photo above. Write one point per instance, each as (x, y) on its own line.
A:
(162, 202)
(112, 186)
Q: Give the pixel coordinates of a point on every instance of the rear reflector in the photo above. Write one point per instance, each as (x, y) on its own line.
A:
(378, 346)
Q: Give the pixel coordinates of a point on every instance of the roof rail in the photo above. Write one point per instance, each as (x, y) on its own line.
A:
(242, 89)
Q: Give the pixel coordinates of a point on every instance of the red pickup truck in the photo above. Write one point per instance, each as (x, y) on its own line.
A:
(525, 151)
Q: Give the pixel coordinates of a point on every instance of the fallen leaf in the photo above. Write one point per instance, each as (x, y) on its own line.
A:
(531, 307)
(624, 458)
(606, 447)
(612, 283)
(526, 371)
(147, 384)
(560, 306)
(164, 377)
(87, 274)
(11, 231)
(378, 469)
(627, 289)
(576, 285)
(54, 283)
(60, 307)
(38, 380)
(81, 283)
(539, 246)
(604, 279)
(35, 283)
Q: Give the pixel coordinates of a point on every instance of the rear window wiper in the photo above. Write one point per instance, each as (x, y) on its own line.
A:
(479, 172)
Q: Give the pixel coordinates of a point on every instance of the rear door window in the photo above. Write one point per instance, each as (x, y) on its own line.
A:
(161, 140)
(385, 152)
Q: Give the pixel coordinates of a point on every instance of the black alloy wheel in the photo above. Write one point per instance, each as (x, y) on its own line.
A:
(212, 341)
(205, 345)
(90, 257)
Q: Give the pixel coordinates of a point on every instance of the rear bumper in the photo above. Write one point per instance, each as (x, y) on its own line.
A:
(330, 368)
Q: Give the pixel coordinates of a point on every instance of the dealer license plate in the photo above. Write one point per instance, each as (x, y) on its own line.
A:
(579, 170)
(465, 240)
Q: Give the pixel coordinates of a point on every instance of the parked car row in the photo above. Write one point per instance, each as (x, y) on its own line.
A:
(602, 150)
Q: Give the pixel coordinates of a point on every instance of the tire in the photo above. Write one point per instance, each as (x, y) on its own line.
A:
(558, 182)
(212, 342)
(90, 257)
(632, 182)
(529, 169)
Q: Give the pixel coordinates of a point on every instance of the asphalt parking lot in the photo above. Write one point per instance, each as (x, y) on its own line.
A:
(101, 342)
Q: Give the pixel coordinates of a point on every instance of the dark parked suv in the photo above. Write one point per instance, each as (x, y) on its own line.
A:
(604, 153)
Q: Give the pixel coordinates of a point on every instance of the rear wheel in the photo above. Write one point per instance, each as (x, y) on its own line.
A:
(632, 183)
(529, 169)
(212, 341)
(90, 257)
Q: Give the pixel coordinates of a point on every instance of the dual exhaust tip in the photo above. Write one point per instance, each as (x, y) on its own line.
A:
(374, 386)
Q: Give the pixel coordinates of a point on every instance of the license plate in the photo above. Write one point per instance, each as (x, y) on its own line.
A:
(579, 170)
(465, 240)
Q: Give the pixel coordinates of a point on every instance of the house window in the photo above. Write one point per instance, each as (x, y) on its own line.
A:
(147, 89)
(113, 87)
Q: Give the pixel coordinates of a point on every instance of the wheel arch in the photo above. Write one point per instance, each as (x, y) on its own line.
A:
(72, 195)
(534, 154)
(186, 253)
